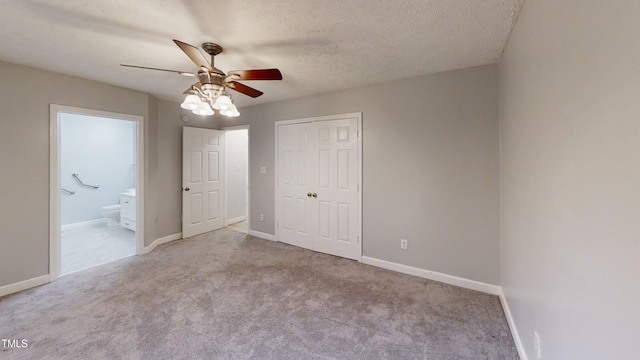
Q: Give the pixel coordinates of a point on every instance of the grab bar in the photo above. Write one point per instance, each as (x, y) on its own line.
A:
(68, 191)
(83, 184)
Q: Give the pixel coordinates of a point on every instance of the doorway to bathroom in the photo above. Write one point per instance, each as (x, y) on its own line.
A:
(96, 173)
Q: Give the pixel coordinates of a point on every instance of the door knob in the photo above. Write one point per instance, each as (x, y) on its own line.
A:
(314, 195)
(309, 194)
(186, 189)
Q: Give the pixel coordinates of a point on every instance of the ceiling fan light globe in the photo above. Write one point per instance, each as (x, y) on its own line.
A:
(232, 111)
(219, 107)
(191, 102)
(203, 109)
(222, 102)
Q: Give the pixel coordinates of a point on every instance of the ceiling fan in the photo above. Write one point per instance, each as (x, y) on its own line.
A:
(210, 91)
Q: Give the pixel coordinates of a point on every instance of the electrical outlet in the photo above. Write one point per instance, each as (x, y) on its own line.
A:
(404, 244)
(261, 217)
(536, 345)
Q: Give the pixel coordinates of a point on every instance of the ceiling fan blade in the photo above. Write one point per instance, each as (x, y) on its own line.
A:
(258, 74)
(184, 73)
(194, 54)
(189, 90)
(242, 88)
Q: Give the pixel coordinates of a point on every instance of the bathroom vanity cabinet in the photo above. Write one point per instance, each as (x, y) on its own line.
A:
(128, 211)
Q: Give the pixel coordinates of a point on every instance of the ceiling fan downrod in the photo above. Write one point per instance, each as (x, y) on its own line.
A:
(212, 49)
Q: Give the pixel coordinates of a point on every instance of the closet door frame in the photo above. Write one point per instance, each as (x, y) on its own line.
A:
(358, 117)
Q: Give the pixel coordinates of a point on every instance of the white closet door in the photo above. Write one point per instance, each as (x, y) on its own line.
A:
(318, 203)
(337, 188)
(202, 180)
(296, 180)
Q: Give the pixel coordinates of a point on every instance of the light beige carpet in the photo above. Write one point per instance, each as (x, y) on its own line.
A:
(227, 295)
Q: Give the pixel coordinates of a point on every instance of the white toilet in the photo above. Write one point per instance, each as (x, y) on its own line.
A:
(112, 213)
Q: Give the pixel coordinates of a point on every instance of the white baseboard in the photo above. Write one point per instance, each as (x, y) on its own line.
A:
(24, 285)
(236, 220)
(512, 326)
(160, 241)
(262, 235)
(84, 224)
(433, 275)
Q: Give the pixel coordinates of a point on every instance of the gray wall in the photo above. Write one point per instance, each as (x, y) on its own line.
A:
(570, 177)
(169, 168)
(151, 172)
(24, 157)
(430, 167)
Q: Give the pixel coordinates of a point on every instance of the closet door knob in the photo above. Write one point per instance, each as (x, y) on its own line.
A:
(314, 195)
(309, 194)
(186, 189)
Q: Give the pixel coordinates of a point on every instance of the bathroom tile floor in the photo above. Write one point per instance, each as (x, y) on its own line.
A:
(86, 247)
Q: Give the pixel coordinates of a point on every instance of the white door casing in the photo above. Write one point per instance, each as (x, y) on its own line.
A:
(202, 180)
(318, 204)
(54, 178)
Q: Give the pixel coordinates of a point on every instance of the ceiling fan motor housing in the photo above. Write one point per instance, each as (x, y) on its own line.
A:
(209, 77)
(211, 89)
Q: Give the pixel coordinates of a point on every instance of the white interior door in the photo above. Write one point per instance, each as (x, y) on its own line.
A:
(318, 189)
(296, 183)
(202, 180)
(337, 188)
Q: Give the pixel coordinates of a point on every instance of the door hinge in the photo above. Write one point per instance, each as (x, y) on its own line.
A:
(358, 237)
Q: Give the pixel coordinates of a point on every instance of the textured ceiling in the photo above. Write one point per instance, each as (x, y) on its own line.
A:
(319, 46)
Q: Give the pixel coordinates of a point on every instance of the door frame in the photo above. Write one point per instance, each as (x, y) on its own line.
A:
(358, 116)
(231, 128)
(54, 177)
